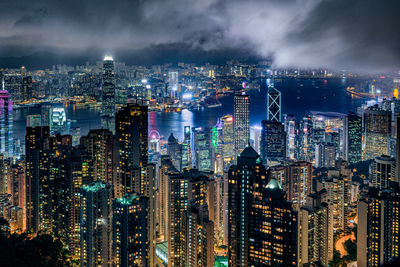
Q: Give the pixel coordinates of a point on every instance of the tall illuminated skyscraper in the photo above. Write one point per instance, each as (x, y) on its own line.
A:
(290, 129)
(241, 123)
(352, 138)
(132, 147)
(34, 145)
(376, 132)
(273, 142)
(173, 83)
(108, 95)
(201, 148)
(6, 124)
(273, 104)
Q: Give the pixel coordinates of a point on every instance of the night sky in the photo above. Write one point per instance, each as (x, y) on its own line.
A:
(361, 35)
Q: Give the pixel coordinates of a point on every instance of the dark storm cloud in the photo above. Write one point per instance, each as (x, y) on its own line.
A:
(361, 34)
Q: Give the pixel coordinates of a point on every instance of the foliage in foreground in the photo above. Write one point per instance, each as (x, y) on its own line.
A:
(21, 250)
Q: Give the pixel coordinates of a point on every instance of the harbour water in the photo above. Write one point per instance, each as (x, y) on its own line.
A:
(299, 97)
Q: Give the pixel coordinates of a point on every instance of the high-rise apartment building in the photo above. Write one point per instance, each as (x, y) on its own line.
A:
(296, 180)
(378, 227)
(241, 117)
(257, 212)
(130, 246)
(132, 147)
(34, 145)
(315, 231)
(108, 95)
(96, 225)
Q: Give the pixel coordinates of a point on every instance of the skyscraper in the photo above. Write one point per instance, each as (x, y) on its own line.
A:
(34, 145)
(296, 180)
(352, 138)
(273, 104)
(383, 172)
(100, 146)
(273, 142)
(130, 244)
(108, 95)
(200, 236)
(241, 123)
(376, 132)
(202, 149)
(132, 147)
(6, 124)
(325, 155)
(316, 231)
(257, 212)
(290, 129)
(378, 227)
(96, 225)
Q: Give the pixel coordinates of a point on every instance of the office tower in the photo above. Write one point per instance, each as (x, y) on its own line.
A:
(296, 180)
(58, 120)
(200, 236)
(173, 83)
(315, 231)
(325, 155)
(378, 227)
(33, 121)
(186, 132)
(174, 151)
(201, 148)
(100, 146)
(96, 225)
(130, 244)
(352, 138)
(227, 138)
(6, 124)
(255, 138)
(383, 172)
(132, 147)
(27, 88)
(108, 95)
(45, 113)
(376, 132)
(273, 142)
(273, 104)
(290, 130)
(13, 84)
(34, 145)
(241, 119)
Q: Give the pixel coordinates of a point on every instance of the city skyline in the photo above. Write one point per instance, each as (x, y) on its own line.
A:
(211, 133)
